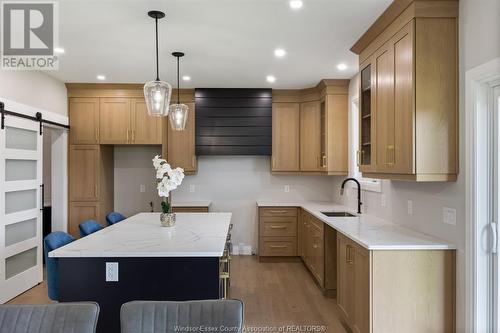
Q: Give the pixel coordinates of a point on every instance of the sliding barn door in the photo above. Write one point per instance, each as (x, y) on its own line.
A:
(20, 207)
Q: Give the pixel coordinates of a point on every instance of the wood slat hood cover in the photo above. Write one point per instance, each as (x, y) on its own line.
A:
(233, 121)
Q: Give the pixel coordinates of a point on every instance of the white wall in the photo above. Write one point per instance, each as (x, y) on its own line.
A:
(35, 89)
(232, 183)
(479, 39)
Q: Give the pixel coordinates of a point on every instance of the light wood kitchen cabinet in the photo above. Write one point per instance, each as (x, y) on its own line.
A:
(277, 232)
(114, 120)
(409, 95)
(286, 142)
(84, 120)
(310, 129)
(317, 249)
(385, 291)
(91, 184)
(334, 132)
(179, 146)
(145, 129)
(84, 172)
(126, 121)
(310, 136)
(80, 212)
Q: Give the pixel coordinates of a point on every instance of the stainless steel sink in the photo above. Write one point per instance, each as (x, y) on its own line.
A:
(338, 214)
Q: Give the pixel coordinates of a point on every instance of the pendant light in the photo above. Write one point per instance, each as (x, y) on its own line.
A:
(178, 112)
(157, 93)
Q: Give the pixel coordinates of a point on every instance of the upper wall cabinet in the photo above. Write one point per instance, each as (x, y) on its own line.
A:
(408, 93)
(114, 121)
(310, 129)
(286, 127)
(84, 120)
(111, 114)
(126, 121)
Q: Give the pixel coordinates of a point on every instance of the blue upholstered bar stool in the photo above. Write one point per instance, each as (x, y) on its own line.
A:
(114, 217)
(89, 227)
(51, 242)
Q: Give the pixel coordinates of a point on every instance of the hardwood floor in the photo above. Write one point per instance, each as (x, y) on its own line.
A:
(275, 295)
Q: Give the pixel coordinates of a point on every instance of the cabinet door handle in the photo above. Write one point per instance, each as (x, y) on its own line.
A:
(95, 190)
(323, 161)
(133, 135)
(128, 135)
(358, 158)
(389, 155)
(348, 254)
(277, 211)
(277, 227)
(96, 136)
(277, 246)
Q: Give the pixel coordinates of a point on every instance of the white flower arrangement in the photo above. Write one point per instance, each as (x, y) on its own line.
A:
(167, 179)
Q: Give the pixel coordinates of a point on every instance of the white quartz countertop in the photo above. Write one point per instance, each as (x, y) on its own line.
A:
(193, 235)
(200, 203)
(369, 231)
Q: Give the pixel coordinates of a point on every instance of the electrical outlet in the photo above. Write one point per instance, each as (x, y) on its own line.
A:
(410, 207)
(111, 272)
(449, 216)
(383, 200)
(287, 188)
(192, 188)
(142, 188)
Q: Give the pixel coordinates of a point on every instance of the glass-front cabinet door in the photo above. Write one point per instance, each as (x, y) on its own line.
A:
(366, 153)
(20, 207)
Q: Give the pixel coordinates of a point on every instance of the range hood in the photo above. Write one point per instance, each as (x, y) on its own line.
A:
(233, 121)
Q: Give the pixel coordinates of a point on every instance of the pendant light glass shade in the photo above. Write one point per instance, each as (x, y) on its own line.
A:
(178, 113)
(157, 95)
(178, 116)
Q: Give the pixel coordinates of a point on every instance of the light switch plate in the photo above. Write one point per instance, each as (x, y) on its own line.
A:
(287, 188)
(192, 188)
(410, 207)
(142, 188)
(449, 216)
(111, 272)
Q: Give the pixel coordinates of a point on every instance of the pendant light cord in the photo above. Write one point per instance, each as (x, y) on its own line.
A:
(178, 84)
(157, 66)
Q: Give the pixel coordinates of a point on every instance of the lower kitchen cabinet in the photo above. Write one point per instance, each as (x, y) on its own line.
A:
(388, 291)
(317, 248)
(277, 232)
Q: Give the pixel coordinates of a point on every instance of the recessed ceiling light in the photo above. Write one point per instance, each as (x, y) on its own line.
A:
(270, 78)
(101, 77)
(342, 67)
(296, 4)
(59, 50)
(186, 78)
(280, 53)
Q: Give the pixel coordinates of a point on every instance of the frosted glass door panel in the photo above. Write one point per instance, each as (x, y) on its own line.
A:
(20, 231)
(20, 262)
(17, 201)
(20, 170)
(18, 138)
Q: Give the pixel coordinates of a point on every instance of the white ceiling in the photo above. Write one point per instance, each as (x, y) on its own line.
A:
(228, 43)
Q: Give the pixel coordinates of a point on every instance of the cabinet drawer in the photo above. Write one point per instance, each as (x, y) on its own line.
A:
(278, 246)
(284, 229)
(278, 211)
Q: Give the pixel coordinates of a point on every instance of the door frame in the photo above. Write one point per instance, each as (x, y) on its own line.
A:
(479, 88)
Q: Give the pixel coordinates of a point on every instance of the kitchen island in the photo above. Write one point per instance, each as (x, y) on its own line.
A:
(138, 259)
